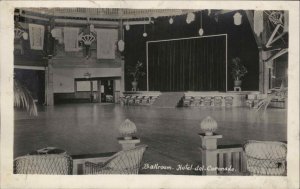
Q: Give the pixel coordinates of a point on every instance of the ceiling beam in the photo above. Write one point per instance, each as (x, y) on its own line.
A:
(270, 41)
(276, 55)
(82, 22)
(29, 67)
(138, 22)
(219, 12)
(108, 14)
(31, 16)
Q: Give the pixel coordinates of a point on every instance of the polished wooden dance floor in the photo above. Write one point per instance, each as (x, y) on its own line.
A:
(170, 133)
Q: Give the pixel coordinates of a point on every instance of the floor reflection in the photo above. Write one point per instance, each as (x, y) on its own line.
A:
(170, 133)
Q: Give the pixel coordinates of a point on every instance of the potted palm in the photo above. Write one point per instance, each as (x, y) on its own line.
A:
(136, 72)
(238, 71)
(23, 98)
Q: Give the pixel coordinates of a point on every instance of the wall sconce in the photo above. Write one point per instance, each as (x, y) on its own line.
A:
(87, 39)
(237, 18)
(87, 75)
(20, 33)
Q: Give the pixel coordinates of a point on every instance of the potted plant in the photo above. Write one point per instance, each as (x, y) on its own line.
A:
(23, 98)
(238, 71)
(136, 72)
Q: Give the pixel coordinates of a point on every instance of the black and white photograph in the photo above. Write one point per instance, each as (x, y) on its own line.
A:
(178, 92)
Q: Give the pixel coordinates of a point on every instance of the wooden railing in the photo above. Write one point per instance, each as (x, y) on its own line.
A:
(221, 159)
(231, 156)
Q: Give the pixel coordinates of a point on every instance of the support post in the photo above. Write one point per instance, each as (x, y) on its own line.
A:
(49, 84)
(209, 153)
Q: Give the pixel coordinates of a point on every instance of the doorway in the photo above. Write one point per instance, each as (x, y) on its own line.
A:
(107, 90)
(95, 90)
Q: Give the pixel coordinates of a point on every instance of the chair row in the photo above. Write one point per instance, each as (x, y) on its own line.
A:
(126, 161)
(262, 158)
(278, 100)
(207, 101)
(137, 100)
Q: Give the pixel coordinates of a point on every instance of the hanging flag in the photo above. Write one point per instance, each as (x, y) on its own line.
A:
(258, 22)
(106, 43)
(36, 36)
(71, 39)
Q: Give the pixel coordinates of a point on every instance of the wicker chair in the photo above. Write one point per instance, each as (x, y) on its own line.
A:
(218, 100)
(187, 101)
(138, 100)
(208, 101)
(197, 101)
(123, 162)
(50, 164)
(152, 99)
(145, 100)
(266, 157)
(228, 101)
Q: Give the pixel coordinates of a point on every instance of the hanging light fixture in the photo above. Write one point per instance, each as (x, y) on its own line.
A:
(190, 17)
(237, 18)
(201, 31)
(171, 20)
(127, 27)
(87, 75)
(208, 12)
(121, 43)
(145, 33)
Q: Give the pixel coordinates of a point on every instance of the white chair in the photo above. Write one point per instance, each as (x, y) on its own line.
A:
(50, 164)
(123, 162)
(266, 157)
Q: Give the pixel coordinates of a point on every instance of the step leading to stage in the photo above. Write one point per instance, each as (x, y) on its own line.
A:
(168, 99)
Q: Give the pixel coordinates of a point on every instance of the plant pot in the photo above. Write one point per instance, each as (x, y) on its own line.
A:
(134, 85)
(237, 83)
(127, 137)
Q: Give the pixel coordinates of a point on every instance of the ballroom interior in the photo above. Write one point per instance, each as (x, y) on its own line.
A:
(186, 88)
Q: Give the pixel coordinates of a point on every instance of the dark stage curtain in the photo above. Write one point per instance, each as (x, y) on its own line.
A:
(197, 64)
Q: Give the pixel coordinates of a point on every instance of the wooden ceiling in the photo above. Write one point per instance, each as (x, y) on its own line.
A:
(104, 13)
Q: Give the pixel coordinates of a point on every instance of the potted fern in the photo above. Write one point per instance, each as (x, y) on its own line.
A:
(23, 98)
(136, 72)
(238, 71)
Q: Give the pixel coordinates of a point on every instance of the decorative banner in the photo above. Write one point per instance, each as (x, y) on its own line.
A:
(71, 39)
(106, 43)
(258, 22)
(36, 35)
